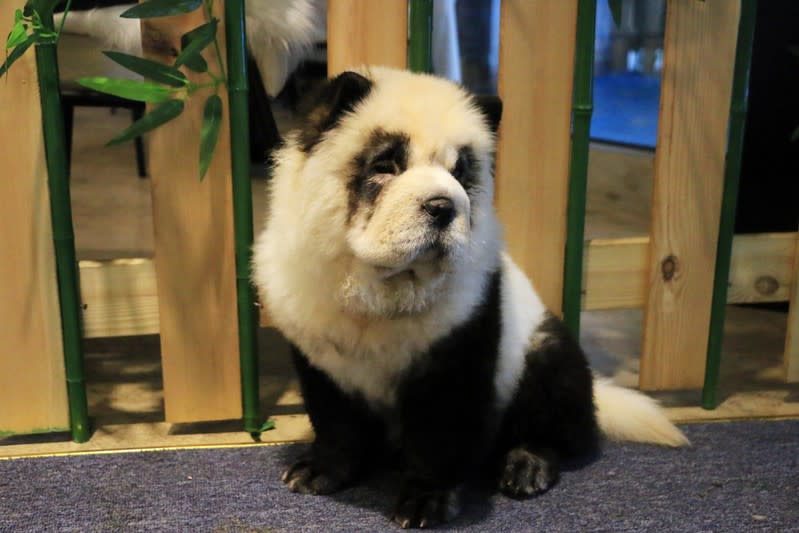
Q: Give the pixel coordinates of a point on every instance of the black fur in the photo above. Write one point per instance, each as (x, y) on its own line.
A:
(338, 96)
(383, 154)
(466, 169)
(491, 107)
(447, 421)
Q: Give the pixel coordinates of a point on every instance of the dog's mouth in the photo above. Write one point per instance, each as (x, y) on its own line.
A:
(421, 265)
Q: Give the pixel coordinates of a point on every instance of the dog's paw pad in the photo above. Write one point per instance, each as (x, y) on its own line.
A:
(425, 508)
(526, 474)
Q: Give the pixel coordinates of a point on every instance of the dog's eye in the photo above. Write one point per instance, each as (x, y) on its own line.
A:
(459, 171)
(385, 166)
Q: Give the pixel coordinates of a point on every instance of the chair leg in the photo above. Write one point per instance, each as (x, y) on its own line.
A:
(141, 164)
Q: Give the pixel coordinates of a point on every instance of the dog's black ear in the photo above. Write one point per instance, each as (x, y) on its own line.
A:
(491, 107)
(336, 97)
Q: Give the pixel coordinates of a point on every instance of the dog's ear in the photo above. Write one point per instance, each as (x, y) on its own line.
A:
(335, 98)
(491, 108)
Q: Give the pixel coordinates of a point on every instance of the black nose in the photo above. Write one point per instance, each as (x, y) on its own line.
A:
(441, 210)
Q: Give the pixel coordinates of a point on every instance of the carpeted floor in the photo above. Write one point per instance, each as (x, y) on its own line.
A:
(736, 477)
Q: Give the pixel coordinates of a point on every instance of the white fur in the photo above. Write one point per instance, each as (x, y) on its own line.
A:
(522, 312)
(625, 414)
(340, 288)
(279, 33)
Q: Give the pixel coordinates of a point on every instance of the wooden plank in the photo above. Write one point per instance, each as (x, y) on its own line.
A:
(616, 270)
(536, 66)
(120, 296)
(32, 382)
(365, 32)
(699, 47)
(791, 357)
(194, 255)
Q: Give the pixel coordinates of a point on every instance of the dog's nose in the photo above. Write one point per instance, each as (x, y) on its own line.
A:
(441, 210)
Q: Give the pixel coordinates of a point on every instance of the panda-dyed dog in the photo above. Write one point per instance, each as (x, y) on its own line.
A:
(413, 332)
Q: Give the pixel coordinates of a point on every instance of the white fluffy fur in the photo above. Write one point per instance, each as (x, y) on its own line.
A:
(279, 33)
(336, 288)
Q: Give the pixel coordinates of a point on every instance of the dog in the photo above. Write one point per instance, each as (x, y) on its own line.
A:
(413, 332)
(280, 33)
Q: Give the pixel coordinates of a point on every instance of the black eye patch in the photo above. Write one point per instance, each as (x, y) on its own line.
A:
(384, 154)
(466, 168)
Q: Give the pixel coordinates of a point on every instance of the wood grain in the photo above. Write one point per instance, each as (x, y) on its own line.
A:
(696, 86)
(536, 66)
(33, 393)
(791, 356)
(616, 270)
(194, 257)
(121, 299)
(120, 296)
(366, 32)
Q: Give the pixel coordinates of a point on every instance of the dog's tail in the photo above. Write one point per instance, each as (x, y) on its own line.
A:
(625, 414)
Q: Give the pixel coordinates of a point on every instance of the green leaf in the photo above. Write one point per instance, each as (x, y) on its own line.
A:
(197, 64)
(18, 16)
(161, 8)
(149, 69)
(158, 116)
(142, 91)
(18, 35)
(209, 133)
(266, 426)
(195, 41)
(41, 7)
(795, 135)
(15, 54)
(615, 10)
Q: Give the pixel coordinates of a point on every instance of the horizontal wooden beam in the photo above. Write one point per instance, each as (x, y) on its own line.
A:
(616, 270)
(121, 298)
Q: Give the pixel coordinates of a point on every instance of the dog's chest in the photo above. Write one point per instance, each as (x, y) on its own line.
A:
(372, 369)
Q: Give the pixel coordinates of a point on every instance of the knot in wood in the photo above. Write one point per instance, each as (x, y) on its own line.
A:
(669, 267)
(766, 285)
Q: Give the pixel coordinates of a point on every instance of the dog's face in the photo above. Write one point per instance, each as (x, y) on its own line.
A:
(403, 163)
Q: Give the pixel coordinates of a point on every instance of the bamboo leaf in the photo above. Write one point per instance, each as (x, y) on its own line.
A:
(197, 64)
(615, 10)
(195, 41)
(149, 69)
(209, 133)
(158, 116)
(161, 8)
(15, 54)
(142, 91)
(40, 7)
(18, 35)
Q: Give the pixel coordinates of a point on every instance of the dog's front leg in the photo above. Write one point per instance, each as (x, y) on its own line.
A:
(348, 434)
(444, 440)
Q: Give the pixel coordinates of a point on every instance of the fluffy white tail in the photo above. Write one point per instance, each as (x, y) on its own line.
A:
(626, 414)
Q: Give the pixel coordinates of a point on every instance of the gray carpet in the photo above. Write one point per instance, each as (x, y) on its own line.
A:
(737, 477)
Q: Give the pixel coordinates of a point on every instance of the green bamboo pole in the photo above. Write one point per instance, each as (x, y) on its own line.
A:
(582, 109)
(242, 210)
(63, 236)
(420, 46)
(732, 173)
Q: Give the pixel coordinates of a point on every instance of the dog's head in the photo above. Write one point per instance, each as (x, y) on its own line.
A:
(390, 184)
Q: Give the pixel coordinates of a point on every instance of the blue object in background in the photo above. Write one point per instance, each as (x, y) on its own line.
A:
(626, 108)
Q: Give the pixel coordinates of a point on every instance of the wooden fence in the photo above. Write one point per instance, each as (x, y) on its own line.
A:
(187, 294)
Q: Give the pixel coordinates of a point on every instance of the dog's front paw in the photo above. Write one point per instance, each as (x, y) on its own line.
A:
(526, 474)
(425, 507)
(306, 477)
